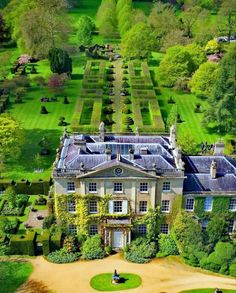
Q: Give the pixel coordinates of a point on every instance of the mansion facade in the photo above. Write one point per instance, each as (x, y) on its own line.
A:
(121, 177)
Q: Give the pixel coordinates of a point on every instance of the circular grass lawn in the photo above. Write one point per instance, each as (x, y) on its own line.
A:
(103, 282)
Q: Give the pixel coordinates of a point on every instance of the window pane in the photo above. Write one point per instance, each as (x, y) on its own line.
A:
(231, 226)
(72, 229)
(165, 205)
(143, 187)
(70, 186)
(92, 187)
(208, 204)
(232, 204)
(71, 206)
(117, 206)
(118, 187)
(164, 229)
(166, 186)
(142, 229)
(190, 204)
(143, 206)
(93, 207)
(93, 230)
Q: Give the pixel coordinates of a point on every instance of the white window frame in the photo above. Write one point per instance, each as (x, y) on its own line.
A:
(165, 206)
(166, 186)
(70, 186)
(143, 187)
(208, 206)
(143, 206)
(92, 187)
(115, 185)
(90, 205)
(232, 204)
(71, 206)
(94, 229)
(72, 229)
(142, 229)
(186, 207)
(114, 203)
(164, 228)
(231, 226)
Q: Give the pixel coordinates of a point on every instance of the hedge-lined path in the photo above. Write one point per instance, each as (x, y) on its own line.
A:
(160, 275)
(118, 105)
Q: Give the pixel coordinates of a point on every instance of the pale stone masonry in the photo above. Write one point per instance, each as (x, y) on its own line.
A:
(139, 172)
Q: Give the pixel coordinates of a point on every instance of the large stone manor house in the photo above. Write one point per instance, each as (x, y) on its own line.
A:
(138, 172)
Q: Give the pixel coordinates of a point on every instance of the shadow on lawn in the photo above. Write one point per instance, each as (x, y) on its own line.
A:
(26, 162)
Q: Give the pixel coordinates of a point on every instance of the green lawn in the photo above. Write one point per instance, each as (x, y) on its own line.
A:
(13, 275)
(103, 282)
(208, 291)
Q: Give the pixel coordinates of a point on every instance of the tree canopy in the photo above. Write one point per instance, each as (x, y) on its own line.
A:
(85, 27)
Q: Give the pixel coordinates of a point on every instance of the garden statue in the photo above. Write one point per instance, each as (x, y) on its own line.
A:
(115, 278)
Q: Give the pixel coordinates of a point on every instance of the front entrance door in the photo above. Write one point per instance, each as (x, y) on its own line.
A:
(118, 239)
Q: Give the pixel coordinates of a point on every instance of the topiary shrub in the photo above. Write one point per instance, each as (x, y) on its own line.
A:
(128, 121)
(125, 71)
(232, 269)
(141, 250)
(126, 110)
(108, 249)
(43, 110)
(127, 101)
(125, 84)
(107, 110)
(40, 201)
(167, 246)
(62, 256)
(92, 248)
(171, 100)
(66, 101)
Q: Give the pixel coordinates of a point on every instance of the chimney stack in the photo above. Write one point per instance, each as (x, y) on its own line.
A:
(213, 169)
(108, 154)
(173, 136)
(131, 154)
(102, 132)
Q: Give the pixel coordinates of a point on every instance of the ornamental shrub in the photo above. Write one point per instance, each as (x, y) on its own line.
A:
(70, 244)
(48, 221)
(232, 269)
(43, 110)
(92, 248)
(108, 249)
(62, 256)
(167, 246)
(141, 250)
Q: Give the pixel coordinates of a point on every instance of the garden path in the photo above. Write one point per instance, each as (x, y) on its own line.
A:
(118, 104)
(33, 221)
(167, 275)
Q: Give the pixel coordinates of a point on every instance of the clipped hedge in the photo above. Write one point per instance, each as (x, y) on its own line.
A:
(45, 238)
(23, 244)
(35, 187)
(55, 241)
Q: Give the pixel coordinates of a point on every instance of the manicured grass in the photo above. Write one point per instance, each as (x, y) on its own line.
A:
(144, 107)
(103, 282)
(13, 275)
(207, 291)
(86, 114)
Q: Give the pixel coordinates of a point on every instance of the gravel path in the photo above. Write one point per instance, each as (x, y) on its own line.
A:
(158, 276)
(117, 97)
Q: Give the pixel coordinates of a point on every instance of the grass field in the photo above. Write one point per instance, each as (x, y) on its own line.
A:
(102, 282)
(13, 274)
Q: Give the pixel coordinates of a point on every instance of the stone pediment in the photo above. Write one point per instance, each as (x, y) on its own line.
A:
(117, 169)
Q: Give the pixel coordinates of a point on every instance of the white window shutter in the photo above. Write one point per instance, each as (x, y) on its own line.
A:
(125, 207)
(111, 207)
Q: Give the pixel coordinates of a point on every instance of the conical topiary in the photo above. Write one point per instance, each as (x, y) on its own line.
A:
(128, 120)
(127, 101)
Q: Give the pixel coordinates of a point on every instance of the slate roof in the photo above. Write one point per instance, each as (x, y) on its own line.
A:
(203, 183)
(89, 152)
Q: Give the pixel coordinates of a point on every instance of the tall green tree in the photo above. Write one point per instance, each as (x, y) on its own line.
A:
(60, 62)
(177, 63)
(138, 42)
(203, 79)
(85, 28)
(222, 109)
(227, 18)
(188, 19)
(11, 137)
(106, 18)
